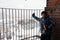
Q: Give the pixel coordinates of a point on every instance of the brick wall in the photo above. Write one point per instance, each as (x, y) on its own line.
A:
(53, 8)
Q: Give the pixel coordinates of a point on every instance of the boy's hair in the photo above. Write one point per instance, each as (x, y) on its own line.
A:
(44, 12)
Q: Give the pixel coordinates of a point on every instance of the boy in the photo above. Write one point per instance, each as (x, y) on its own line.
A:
(46, 24)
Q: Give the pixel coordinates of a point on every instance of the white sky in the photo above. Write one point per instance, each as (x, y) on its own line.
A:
(29, 4)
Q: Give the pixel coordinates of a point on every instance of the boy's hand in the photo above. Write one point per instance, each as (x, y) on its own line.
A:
(33, 14)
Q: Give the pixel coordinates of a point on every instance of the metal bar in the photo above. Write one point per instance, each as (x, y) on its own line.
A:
(3, 22)
(13, 23)
(15, 16)
(26, 23)
(21, 21)
(29, 21)
(20, 9)
(15, 26)
(6, 21)
(18, 25)
(9, 25)
(35, 22)
(0, 34)
(31, 37)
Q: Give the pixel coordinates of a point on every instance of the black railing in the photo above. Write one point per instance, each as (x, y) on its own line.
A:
(18, 24)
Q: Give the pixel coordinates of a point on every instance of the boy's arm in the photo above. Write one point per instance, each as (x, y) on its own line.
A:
(52, 23)
(35, 17)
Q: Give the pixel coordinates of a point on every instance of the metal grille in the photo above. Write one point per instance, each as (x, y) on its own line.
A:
(18, 24)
